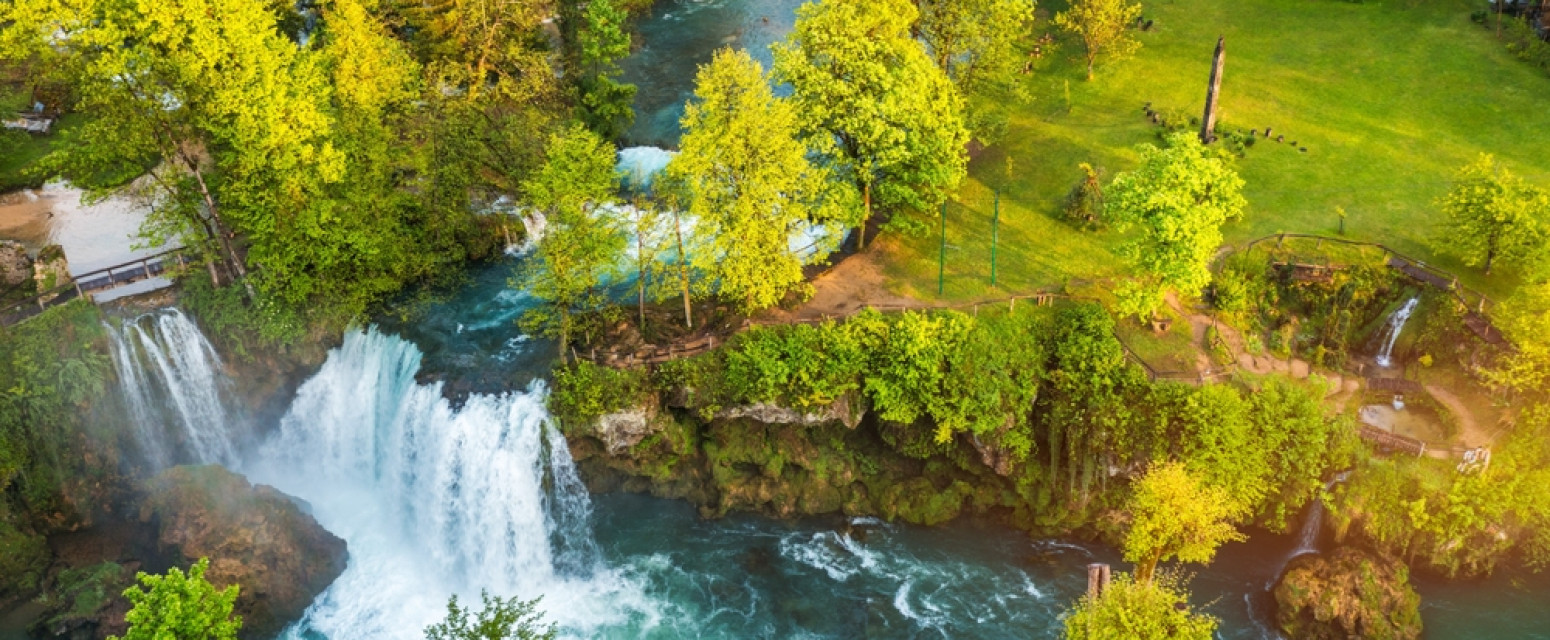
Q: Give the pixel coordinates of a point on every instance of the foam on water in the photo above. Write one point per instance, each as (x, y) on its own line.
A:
(435, 500)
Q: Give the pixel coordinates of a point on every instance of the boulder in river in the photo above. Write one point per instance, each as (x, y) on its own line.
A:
(1349, 593)
(254, 536)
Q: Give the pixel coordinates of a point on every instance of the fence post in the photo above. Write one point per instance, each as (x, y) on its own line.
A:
(995, 227)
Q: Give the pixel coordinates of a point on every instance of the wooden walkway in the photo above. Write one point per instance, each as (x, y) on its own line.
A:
(86, 284)
(1392, 442)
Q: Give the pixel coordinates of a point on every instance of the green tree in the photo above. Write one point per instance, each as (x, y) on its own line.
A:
(977, 43)
(500, 619)
(1103, 26)
(1525, 319)
(596, 37)
(181, 606)
(746, 177)
(1494, 215)
(1179, 196)
(1174, 515)
(581, 248)
(1137, 610)
(872, 104)
(209, 91)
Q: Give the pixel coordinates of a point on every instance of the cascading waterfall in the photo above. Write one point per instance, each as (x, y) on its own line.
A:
(435, 500)
(1391, 331)
(1313, 524)
(172, 381)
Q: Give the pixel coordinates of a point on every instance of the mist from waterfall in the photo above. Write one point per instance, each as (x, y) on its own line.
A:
(436, 500)
(172, 381)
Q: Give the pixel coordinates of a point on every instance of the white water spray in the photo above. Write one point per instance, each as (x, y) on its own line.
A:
(435, 500)
(172, 381)
(1391, 331)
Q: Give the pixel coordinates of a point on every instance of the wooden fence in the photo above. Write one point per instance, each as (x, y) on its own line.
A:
(82, 286)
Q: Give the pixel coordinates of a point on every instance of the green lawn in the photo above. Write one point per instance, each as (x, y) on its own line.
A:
(1389, 98)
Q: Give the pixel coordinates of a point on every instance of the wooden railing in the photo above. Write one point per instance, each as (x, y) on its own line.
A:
(84, 285)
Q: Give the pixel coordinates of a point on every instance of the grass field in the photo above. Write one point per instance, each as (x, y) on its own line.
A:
(1390, 98)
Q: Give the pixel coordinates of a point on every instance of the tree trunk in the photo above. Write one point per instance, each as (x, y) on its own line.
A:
(866, 200)
(1490, 257)
(221, 233)
(1147, 567)
(1500, 5)
(1091, 57)
(564, 335)
(683, 268)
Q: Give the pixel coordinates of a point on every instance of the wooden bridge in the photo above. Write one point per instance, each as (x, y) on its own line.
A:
(86, 284)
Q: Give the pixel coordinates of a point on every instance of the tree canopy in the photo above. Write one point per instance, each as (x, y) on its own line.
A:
(1134, 610)
(1179, 196)
(872, 104)
(1104, 28)
(978, 44)
(581, 247)
(1174, 515)
(746, 177)
(1493, 215)
(500, 619)
(182, 606)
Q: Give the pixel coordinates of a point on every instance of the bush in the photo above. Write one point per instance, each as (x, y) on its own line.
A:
(584, 392)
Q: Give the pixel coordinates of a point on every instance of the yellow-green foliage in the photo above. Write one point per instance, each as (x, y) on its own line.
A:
(1131, 610)
(183, 606)
(1456, 523)
(584, 391)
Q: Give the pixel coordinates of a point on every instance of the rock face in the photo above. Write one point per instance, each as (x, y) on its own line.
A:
(255, 537)
(624, 429)
(847, 410)
(15, 264)
(1349, 593)
(51, 269)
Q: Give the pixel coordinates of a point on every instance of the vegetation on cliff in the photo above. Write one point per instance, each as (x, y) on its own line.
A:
(1347, 593)
(53, 368)
(1032, 415)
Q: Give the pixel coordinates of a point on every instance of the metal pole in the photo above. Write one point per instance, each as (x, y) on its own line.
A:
(995, 224)
(941, 264)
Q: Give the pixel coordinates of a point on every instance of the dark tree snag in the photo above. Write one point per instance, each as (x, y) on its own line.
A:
(1208, 121)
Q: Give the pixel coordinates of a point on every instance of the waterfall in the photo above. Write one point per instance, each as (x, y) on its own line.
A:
(172, 381)
(1313, 524)
(435, 500)
(1391, 331)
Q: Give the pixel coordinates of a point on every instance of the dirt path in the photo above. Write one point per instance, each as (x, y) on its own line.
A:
(1471, 433)
(857, 282)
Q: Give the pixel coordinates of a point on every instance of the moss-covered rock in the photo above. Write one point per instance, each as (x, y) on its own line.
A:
(86, 603)
(254, 536)
(1349, 593)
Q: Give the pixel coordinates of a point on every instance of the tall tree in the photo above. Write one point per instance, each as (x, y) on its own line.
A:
(597, 40)
(581, 247)
(1104, 28)
(500, 619)
(209, 91)
(746, 176)
(1132, 610)
(977, 44)
(1494, 215)
(873, 105)
(182, 606)
(1179, 196)
(1174, 515)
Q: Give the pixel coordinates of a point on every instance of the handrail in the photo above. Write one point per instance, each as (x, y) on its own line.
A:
(75, 285)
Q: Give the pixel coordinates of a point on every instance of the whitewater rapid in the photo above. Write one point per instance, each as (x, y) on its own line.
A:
(436, 500)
